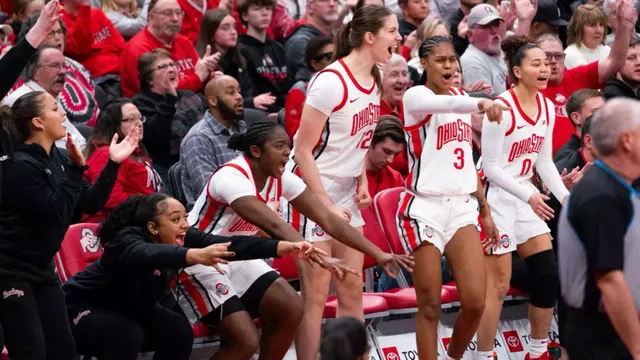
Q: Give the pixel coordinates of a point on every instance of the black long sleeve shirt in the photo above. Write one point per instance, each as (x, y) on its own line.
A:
(44, 194)
(132, 272)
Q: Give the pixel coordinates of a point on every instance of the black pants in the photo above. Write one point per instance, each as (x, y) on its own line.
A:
(592, 337)
(34, 320)
(108, 335)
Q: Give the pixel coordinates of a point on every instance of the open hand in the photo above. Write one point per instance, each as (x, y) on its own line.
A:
(537, 203)
(570, 179)
(492, 236)
(118, 152)
(300, 250)
(212, 255)
(411, 40)
(525, 9)
(75, 155)
(336, 266)
(342, 212)
(263, 101)
(479, 86)
(626, 14)
(392, 263)
(493, 109)
(463, 28)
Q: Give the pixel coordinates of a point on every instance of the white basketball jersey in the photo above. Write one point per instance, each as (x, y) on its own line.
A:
(348, 131)
(525, 136)
(218, 218)
(440, 152)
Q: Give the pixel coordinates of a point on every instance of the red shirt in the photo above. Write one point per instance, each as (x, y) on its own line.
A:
(401, 162)
(387, 178)
(134, 177)
(193, 18)
(182, 52)
(93, 41)
(581, 77)
(293, 104)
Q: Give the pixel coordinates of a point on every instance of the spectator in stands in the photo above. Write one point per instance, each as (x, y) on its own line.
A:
(22, 11)
(114, 303)
(44, 194)
(164, 21)
(119, 119)
(266, 61)
(413, 14)
(387, 142)
(46, 71)
(349, 7)
(585, 37)
(170, 112)
(459, 25)
(563, 83)
(627, 81)
(395, 81)
(580, 158)
(320, 15)
(126, 16)
(204, 148)
(345, 339)
(580, 105)
(317, 56)
(94, 42)
(193, 15)
(547, 19)
(428, 28)
(610, 9)
(78, 96)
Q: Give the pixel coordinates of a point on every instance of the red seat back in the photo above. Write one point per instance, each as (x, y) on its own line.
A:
(374, 233)
(79, 248)
(286, 266)
(386, 204)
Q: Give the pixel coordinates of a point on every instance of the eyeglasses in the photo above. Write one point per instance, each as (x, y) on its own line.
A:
(53, 33)
(557, 56)
(168, 13)
(324, 56)
(141, 119)
(164, 66)
(56, 66)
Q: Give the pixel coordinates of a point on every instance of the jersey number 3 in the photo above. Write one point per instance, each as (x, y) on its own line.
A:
(365, 141)
(459, 162)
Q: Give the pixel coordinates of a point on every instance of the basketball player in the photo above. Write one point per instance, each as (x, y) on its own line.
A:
(510, 150)
(342, 108)
(438, 211)
(242, 197)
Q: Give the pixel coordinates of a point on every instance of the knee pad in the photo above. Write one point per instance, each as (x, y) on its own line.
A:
(543, 282)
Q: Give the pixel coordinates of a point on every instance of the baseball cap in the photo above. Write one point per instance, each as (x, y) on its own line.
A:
(482, 14)
(6, 29)
(548, 12)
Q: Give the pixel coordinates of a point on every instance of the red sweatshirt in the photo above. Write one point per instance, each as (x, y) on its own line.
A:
(192, 18)
(182, 52)
(401, 162)
(93, 41)
(134, 177)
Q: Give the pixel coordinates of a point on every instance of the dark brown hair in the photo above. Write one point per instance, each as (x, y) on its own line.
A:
(231, 63)
(575, 102)
(17, 118)
(515, 48)
(108, 123)
(243, 7)
(366, 19)
(146, 68)
(388, 127)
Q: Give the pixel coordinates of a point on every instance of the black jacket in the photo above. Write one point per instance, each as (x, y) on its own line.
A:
(169, 118)
(44, 194)
(617, 88)
(568, 153)
(267, 67)
(296, 45)
(133, 272)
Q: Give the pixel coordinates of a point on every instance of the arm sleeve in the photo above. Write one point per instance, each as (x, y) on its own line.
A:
(129, 71)
(98, 161)
(79, 38)
(245, 247)
(601, 223)
(12, 64)
(159, 116)
(326, 92)
(95, 197)
(133, 249)
(127, 26)
(544, 164)
(492, 142)
(228, 184)
(292, 186)
(420, 101)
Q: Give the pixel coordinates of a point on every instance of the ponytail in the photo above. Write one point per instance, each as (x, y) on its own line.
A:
(17, 118)
(342, 45)
(257, 134)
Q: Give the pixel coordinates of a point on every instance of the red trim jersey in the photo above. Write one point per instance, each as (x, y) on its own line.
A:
(212, 212)
(353, 111)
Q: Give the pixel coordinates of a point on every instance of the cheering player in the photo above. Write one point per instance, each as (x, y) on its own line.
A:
(510, 150)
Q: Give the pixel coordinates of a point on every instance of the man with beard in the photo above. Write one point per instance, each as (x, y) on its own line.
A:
(204, 148)
(627, 80)
(46, 71)
(162, 31)
(562, 83)
(320, 16)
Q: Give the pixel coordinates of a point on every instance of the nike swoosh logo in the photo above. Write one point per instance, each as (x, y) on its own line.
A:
(353, 100)
(520, 127)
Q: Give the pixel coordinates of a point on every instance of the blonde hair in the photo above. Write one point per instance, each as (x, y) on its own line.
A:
(583, 16)
(425, 31)
(109, 5)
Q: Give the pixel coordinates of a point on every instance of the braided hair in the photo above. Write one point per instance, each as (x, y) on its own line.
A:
(257, 134)
(429, 43)
(515, 48)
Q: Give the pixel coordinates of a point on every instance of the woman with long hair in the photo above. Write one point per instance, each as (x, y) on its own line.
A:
(43, 194)
(137, 175)
(510, 152)
(341, 109)
(219, 30)
(114, 303)
(438, 213)
(586, 37)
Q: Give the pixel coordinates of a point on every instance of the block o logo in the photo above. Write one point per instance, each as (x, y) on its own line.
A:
(513, 341)
(445, 343)
(391, 353)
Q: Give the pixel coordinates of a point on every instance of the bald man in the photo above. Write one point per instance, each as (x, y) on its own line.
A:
(599, 242)
(204, 148)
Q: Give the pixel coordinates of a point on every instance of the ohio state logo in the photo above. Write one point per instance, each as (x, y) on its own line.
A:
(89, 241)
(428, 231)
(221, 289)
(317, 230)
(505, 241)
(445, 343)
